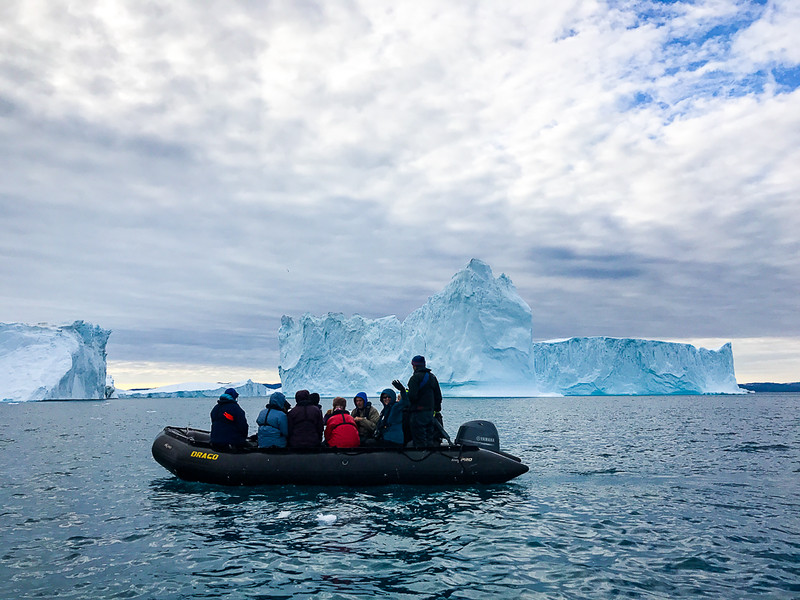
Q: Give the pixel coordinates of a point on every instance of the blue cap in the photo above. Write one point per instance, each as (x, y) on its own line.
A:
(418, 360)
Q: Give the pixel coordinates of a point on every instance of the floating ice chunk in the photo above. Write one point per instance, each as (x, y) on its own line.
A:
(326, 519)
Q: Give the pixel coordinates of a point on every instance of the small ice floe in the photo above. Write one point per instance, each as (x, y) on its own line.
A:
(284, 514)
(326, 519)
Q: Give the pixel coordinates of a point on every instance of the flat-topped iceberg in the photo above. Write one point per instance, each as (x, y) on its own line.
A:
(477, 337)
(246, 389)
(585, 366)
(46, 362)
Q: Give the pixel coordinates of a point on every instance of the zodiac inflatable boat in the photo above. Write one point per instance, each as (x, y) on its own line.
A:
(474, 457)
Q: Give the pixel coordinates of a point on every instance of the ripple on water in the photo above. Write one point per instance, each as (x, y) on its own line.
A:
(640, 497)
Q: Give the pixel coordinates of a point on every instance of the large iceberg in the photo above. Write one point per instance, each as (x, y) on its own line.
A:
(620, 366)
(246, 389)
(44, 362)
(476, 332)
(477, 336)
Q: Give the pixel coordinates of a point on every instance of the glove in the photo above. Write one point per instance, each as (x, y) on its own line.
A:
(396, 383)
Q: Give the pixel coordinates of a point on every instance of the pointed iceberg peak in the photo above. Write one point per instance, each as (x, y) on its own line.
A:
(475, 332)
(477, 273)
(477, 277)
(480, 268)
(476, 285)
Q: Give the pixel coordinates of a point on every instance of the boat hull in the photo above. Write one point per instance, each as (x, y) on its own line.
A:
(187, 454)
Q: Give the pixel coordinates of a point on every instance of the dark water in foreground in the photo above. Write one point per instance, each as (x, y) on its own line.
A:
(649, 497)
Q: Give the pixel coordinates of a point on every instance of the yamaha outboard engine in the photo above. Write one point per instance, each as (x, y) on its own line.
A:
(479, 433)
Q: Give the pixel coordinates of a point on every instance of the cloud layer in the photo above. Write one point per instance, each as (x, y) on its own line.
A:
(185, 173)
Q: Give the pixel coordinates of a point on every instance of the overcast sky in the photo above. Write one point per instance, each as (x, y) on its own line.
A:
(184, 173)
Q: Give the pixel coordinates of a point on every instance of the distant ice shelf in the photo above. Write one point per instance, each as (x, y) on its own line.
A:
(246, 389)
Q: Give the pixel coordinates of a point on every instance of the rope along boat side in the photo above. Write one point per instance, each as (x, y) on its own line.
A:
(474, 457)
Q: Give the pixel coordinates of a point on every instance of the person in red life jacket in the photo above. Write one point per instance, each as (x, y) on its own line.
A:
(329, 412)
(305, 422)
(228, 422)
(340, 428)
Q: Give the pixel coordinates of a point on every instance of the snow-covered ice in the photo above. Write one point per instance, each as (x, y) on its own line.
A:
(477, 337)
(194, 389)
(326, 519)
(44, 362)
(619, 366)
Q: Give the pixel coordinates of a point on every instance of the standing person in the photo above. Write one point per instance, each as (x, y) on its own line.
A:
(305, 422)
(273, 424)
(424, 396)
(228, 422)
(340, 428)
(365, 415)
(389, 430)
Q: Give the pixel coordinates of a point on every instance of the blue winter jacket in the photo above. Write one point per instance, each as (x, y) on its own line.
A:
(390, 425)
(273, 425)
(228, 423)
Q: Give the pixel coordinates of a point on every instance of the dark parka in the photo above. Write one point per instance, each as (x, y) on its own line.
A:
(424, 397)
(305, 422)
(428, 396)
(228, 423)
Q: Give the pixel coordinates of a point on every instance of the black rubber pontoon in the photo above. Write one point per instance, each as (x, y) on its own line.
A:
(186, 453)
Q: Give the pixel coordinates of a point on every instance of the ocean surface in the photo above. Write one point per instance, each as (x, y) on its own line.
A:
(632, 497)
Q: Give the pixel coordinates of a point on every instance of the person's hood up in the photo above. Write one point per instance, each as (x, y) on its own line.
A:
(363, 395)
(277, 400)
(303, 398)
(391, 393)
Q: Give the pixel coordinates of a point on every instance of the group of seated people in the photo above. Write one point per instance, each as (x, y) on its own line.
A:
(281, 425)
(414, 417)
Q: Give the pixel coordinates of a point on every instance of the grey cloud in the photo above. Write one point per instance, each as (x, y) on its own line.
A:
(568, 262)
(216, 166)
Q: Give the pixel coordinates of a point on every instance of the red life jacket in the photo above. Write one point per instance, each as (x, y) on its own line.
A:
(341, 431)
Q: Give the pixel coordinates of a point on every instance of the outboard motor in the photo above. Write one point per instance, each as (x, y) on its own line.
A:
(482, 434)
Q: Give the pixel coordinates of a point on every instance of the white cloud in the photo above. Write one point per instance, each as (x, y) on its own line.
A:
(182, 164)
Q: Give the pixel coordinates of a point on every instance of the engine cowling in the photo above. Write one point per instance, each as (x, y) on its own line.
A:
(482, 434)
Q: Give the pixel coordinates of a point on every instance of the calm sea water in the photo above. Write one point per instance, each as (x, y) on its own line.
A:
(648, 497)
